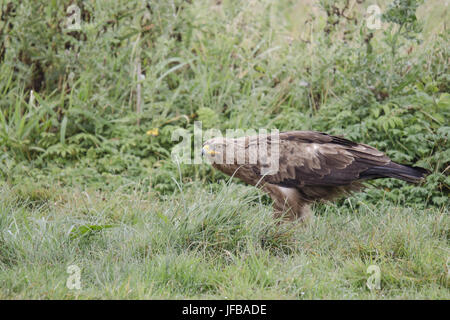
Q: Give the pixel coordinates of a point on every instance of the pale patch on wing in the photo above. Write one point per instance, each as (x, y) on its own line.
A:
(311, 149)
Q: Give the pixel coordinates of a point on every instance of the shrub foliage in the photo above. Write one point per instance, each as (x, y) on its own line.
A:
(69, 86)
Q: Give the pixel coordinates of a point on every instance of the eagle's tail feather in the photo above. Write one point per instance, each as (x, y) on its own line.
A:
(395, 170)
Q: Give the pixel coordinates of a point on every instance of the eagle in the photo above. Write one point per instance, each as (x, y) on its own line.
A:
(309, 166)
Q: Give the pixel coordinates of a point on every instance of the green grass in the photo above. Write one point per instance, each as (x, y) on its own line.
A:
(222, 244)
(81, 183)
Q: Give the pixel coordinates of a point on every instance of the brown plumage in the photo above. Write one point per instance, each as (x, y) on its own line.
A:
(310, 166)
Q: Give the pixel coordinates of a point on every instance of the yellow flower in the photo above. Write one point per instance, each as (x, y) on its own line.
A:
(153, 132)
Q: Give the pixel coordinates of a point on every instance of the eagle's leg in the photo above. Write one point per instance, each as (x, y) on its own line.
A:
(287, 203)
(303, 213)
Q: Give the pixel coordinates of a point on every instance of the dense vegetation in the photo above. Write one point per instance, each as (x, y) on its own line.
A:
(86, 172)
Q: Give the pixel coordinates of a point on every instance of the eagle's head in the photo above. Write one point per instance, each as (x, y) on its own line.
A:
(222, 150)
(214, 149)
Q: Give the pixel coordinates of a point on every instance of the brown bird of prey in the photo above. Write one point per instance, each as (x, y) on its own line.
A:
(297, 168)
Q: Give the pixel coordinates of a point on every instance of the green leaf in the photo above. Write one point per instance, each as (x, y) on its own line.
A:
(63, 130)
(87, 230)
(444, 101)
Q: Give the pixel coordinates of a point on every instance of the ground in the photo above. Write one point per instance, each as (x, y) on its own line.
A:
(222, 244)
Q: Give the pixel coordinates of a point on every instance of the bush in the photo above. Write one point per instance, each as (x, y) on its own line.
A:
(68, 96)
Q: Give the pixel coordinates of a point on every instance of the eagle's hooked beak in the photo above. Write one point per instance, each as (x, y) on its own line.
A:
(207, 150)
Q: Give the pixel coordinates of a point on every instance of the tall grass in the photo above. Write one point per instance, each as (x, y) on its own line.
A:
(286, 65)
(82, 183)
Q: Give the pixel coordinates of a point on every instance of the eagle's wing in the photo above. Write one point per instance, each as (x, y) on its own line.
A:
(310, 158)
